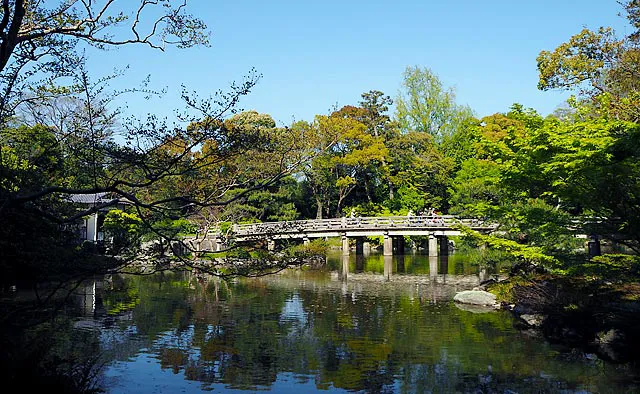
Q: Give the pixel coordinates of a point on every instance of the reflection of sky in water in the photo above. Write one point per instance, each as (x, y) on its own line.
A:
(312, 335)
(293, 311)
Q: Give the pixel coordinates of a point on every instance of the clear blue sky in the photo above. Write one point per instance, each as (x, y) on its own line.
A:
(314, 55)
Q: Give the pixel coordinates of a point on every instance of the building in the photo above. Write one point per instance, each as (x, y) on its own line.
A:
(90, 228)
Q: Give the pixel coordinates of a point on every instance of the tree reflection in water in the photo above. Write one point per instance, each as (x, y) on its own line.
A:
(311, 331)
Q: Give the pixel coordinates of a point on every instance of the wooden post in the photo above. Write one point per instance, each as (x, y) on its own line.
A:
(400, 263)
(359, 263)
(443, 267)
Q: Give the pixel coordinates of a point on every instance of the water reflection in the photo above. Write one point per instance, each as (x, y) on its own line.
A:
(370, 326)
(436, 270)
(388, 262)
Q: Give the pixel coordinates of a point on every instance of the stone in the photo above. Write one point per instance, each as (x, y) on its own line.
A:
(475, 297)
(533, 319)
(475, 308)
(612, 345)
(610, 336)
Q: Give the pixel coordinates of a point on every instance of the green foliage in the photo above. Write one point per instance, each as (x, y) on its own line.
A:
(425, 105)
(419, 172)
(601, 67)
(609, 267)
(168, 228)
(517, 251)
(537, 223)
(121, 222)
(476, 190)
(367, 209)
(315, 249)
(123, 227)
(582, 58)
(30, 157)
(505, 290)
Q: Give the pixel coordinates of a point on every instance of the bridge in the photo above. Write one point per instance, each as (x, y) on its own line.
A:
(392, 228)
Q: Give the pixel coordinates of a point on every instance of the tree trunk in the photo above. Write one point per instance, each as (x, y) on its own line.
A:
(367, 190)
(319, 208)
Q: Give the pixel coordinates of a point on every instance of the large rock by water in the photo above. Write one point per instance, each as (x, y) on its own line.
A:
(475, 297)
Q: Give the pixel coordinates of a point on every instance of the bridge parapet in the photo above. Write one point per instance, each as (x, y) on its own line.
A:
(365, 225)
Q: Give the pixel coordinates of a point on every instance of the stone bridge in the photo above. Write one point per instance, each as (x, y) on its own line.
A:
(392, 228)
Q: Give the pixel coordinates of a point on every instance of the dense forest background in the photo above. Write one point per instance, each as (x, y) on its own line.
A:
(420, 151)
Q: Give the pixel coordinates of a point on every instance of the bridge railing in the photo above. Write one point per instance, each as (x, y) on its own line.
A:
(351, 223)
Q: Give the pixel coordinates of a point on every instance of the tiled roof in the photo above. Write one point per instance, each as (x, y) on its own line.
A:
(93, 198)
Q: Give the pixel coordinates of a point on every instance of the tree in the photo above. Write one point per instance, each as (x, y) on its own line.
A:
(38, 39)
(603, 69)
(372, 112)
(165, 172)
(419, 172)
(333, 174)
(425, 105)
(476, 189)
(594, 173)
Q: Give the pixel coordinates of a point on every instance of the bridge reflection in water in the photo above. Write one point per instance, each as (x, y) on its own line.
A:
(441, 270)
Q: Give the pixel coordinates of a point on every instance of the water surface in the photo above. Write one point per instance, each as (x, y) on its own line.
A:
(372, 325)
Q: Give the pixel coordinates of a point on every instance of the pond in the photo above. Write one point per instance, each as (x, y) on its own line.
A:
(371, 324)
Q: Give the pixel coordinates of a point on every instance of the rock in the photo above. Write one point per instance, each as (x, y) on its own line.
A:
(475, 308)
(611, 336)
(533, 320)
(520, 309)
(475, 297)
(612, 345)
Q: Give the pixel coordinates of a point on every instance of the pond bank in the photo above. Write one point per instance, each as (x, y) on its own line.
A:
(598, 317)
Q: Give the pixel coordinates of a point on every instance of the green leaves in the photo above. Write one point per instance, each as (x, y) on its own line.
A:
(122, 223)
(519, 252)
(583, 58)
(601, 67)
(426, 106)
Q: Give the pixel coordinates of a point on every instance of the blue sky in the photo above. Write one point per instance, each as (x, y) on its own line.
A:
(314, 55)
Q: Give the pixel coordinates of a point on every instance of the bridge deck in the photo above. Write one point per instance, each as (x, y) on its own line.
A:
(358, 226)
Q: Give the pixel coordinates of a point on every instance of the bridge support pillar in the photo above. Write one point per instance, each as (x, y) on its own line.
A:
(444, 245)
(219, 244)
(398, 244)
(359, 246)
(345, 245)
(271, 245)
(387, 247)
(433, 245)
